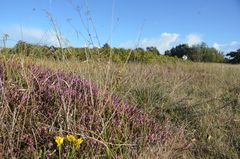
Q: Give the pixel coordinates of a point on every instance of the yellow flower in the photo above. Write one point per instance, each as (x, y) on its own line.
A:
(59, 140)
(78, 142)
(71, 138)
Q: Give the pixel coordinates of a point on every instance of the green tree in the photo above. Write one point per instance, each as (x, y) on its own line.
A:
(203, 53)
(179, 51)
(153, 49)
(4, 39)
(139, 49)
(234, 56)
(200, 53)
(23, 47)
(106, 46)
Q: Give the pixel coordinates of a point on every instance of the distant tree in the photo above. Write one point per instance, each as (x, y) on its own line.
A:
(106, 46)
(153, 49)
(139, 49)
(234, 56)
(197, 52)
(179, 51)
(200, 52)
(119, 55)
(22, 47)
(168, 53)
(4, 39)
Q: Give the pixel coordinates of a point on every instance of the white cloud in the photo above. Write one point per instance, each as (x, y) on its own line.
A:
(193, 39)
(33, 35)
(234, 43)
(227, 47)
(167, 39)
(216, 46)
(164, 42)
(30, 32)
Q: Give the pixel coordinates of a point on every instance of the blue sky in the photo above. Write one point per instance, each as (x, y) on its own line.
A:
(123, 23)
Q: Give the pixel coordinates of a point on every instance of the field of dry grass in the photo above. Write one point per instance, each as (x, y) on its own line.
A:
(133, 110)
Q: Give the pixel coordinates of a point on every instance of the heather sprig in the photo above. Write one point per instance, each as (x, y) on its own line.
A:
(64, 100)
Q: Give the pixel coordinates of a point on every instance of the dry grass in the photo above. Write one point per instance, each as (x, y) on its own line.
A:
(197, 103)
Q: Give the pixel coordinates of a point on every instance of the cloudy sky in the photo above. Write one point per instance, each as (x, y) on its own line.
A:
(122, 23)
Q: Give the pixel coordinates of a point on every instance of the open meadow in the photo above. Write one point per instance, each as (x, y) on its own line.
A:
(119, 79)
(118, 110)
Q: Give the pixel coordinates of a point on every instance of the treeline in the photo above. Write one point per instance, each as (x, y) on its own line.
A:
(118, 55)
(234, 57)
(196, 53)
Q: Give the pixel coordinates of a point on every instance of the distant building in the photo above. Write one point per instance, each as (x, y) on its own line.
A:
(184, 57)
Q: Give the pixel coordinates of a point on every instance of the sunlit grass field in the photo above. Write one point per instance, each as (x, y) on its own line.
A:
(130, 110)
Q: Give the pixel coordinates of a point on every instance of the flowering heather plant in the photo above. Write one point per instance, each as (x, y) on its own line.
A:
(50, 100)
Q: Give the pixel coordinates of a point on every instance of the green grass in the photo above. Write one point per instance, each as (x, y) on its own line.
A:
(201, 101)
